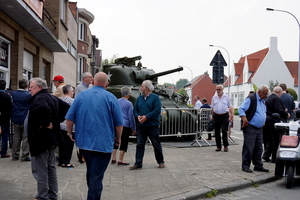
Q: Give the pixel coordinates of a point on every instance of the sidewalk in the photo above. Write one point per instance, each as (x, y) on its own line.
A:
(190, 172)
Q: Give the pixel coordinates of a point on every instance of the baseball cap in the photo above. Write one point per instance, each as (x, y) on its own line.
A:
(58, 78)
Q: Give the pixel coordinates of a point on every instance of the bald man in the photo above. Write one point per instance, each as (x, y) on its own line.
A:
(99, 124)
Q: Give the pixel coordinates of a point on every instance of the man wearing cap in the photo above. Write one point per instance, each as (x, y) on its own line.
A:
(59, 83)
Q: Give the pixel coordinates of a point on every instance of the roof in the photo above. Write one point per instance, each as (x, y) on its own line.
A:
(254, 60)
(293, 68)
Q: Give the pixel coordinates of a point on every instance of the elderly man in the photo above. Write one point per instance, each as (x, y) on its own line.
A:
(86, 83)
(270, 135)
(58, 82)
(253, 115)
(198, 103)
(147, 110)
(43, 130)
(99, 123)
(222, 114)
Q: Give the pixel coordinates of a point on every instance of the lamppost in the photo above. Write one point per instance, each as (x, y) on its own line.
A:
(189, 69)
(271, 9)
(211, 45)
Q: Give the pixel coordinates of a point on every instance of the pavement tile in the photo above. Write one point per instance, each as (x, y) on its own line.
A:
(190, 172)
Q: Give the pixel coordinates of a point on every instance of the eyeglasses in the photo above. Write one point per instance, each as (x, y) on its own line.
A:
(266, 94)
(218, 89)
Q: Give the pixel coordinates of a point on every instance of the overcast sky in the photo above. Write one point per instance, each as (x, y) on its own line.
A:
(169, 33)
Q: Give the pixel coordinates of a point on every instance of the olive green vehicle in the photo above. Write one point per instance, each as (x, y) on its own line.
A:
(176, 118)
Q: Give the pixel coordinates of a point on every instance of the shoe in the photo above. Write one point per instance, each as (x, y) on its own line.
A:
(5, 156)
(113, 161)
(247, 170)
(266, 159)
(123, 163)
(134, 167)
(225, 149)
(68, 165)
(14, 159)
(218, 149)
(161, 165)
(26, 159)
(261, 169)
(208, 139)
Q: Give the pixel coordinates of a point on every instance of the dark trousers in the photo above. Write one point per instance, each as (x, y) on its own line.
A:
(124, 139)
(4, 137)
(153, 133)
(44, 171)
(271, 140)
(252, 147)
(65, 149)
(221, 122)
(96, 164)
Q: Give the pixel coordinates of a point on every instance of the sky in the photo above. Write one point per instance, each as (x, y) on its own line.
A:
(169, 33)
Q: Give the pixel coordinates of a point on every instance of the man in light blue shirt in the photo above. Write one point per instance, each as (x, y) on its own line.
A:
(99, 123)
(253, 115)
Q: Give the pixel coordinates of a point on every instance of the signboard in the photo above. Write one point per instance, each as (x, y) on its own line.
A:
(3, 54)
(36, 6)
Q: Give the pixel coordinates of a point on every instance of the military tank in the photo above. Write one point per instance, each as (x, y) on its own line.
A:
(174, 121)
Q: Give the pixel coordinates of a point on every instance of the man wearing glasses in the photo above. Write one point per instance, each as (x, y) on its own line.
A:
(220, 106)
(253, 115)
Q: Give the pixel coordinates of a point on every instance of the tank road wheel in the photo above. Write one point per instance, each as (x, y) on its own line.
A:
(289, 176)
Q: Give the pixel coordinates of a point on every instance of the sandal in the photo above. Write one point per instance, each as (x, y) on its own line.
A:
(68, 165)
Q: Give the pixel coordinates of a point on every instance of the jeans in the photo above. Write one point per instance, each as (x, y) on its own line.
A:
(4, 137)
(153, 133)
(96, 164)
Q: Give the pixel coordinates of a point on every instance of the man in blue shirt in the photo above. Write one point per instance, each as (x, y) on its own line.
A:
(253, 115)
(21, 105)
(99, 123)
(147, 110)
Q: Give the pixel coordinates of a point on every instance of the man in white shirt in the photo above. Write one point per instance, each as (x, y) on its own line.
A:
(198, 103)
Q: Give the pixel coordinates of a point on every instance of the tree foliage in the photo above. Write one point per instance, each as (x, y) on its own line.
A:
(293, 93)
(181, 82)
(111, 60)
(182, 91)
(272, 85)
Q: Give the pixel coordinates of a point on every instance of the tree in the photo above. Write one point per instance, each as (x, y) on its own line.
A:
(181, 83)
(182, 91)
(293, 93)
(108, 61)
(272, 85)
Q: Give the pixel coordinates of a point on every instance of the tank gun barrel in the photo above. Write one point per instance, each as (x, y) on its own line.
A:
(178, 69)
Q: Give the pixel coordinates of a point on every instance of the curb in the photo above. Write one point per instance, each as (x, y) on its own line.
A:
(225, 187)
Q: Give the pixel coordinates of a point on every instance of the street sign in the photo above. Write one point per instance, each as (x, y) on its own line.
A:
(218, 63)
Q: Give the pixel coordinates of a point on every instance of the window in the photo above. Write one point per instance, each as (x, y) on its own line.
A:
(71, 48)
(63, 6)
(27, 65)
(241, 98)
(80, 68)
(81, 31)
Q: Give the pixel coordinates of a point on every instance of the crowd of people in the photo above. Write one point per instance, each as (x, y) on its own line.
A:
(44, 125)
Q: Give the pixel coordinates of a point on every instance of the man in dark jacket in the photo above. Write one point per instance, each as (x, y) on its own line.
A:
(270, 135)
(44, 117)
(5, 114)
